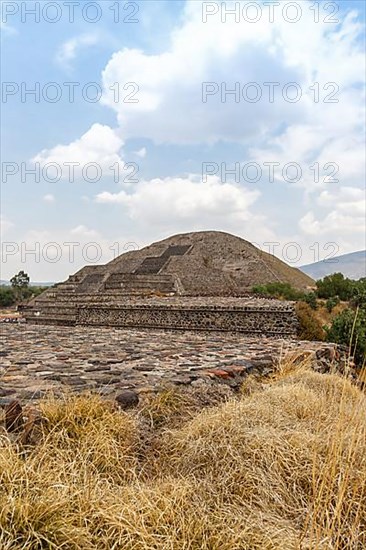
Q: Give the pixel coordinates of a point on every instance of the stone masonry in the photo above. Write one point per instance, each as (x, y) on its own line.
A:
(38, 360)
(265, 317)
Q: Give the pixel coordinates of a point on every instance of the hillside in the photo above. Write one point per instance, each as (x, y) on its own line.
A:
(351, 265)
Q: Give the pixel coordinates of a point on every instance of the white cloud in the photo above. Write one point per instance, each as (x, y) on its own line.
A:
(334, 137)
(5, 225)
(170, 106)
(347, 215)
(177, 204)
(83, 231)
(344, 198)
(7, 29)
(69, 49)
(170, 110)
(100, 145)
(141, 153)
(332, 223)
(49, 198)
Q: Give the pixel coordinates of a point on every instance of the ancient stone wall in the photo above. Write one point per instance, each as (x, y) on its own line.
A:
(249, 320)
(249, 315)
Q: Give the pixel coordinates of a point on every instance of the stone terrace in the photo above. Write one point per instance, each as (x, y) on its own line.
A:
(37, 359)
(248, 315)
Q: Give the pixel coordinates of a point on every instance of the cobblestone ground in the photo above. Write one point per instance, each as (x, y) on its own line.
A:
(38, 359)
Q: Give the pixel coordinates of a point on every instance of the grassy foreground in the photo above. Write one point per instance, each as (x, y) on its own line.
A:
(281, 467)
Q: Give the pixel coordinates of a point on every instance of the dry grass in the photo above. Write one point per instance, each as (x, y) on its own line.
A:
(326, 318)
(281, 467)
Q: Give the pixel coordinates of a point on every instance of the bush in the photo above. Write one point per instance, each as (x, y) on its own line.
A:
(279, 290)
(331, 303)
(310, 299)
(335, 285)
(349, 328)
(286, 292)
(310, 326)
(10, 297)
(359, 294)
(7, 297)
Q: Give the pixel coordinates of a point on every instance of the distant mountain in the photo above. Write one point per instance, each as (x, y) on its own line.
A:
(351, 265)
(32, 283)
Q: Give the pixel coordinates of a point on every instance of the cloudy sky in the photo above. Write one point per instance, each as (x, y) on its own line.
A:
(126, 122)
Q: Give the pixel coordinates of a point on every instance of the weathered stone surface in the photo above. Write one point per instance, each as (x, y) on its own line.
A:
(249, 316)
(141, 359)
(31, 395)
(6, 391)
(127, 399)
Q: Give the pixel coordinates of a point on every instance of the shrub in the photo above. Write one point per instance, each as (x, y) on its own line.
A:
(279, 290)
(331, 303)
(335, 285)
(349, 328)
(310, 298)
(7, 297)
(359, 294)
(310, 326)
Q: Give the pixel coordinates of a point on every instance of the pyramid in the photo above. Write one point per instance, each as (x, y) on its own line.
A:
(200, 271)
(210, 263)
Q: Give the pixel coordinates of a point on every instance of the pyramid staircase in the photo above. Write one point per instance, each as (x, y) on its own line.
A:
(59, 305)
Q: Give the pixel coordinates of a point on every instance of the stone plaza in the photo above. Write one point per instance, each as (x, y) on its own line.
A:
(38, 360)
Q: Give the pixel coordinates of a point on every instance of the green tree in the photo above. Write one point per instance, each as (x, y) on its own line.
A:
(335, 285)
(20, 284)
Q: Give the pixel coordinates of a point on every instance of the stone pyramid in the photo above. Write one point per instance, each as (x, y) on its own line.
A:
(202, 270)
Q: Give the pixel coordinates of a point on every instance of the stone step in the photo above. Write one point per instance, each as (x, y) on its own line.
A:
(57, 308)
(59, 321)
(110, 296)
(135, 288)
(133, 282)
(67, 287)
(123, 284)
(140, 277)
(91, 283)
(50, 313)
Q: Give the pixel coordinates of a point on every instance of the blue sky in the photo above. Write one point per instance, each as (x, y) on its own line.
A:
(195, 159)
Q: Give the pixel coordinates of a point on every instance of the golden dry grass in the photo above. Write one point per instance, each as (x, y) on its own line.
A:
(281, 467)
